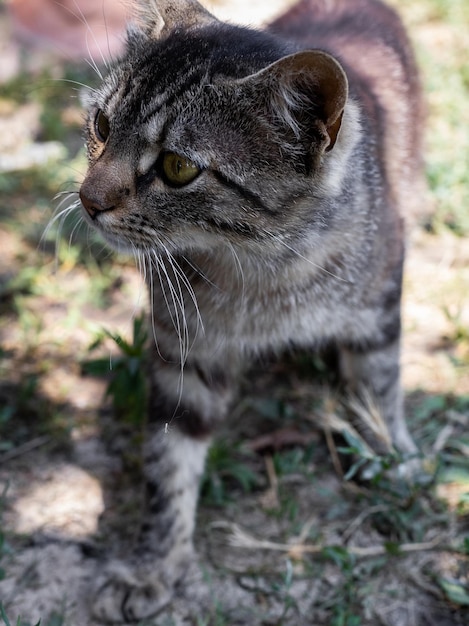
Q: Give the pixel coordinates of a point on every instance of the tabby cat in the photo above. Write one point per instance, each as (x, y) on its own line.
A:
(261, 180)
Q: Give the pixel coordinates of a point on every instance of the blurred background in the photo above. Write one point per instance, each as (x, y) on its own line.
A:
(72, 353)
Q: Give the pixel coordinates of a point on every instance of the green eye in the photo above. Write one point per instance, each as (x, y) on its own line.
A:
(101, 126)
(178, 170)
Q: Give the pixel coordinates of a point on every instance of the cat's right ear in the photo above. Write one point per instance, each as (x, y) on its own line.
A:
(157, 18)
(304, 91)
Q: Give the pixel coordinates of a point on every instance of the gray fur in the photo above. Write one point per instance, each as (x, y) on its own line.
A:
(291, 234)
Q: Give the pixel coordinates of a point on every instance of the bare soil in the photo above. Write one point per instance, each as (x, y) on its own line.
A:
(261, 557)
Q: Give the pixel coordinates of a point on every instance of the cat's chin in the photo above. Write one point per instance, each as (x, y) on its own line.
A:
(118, 244)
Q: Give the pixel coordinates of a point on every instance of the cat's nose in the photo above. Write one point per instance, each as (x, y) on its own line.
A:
(92, 206)
(105, 189)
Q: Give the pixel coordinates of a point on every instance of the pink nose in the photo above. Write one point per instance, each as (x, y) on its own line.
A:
(107, 186)
(92, 205)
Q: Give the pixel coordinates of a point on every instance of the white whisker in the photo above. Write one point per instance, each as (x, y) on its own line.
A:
(199, 272)
(159, 266)
(91, 61)
(146, 257)
(77, 225)
(178, 311)
(179, 273)
(75, 82)
(180, 327)
(141, 267)
(301, 256)
(107, 33)
(238, 266)
(62, 213)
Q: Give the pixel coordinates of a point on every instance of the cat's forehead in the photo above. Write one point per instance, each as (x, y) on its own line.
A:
(148, 80)
(156, 72)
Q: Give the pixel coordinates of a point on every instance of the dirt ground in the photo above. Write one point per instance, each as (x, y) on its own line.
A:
(303, 547)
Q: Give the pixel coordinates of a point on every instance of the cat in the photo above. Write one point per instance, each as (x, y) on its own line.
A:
(261, 179)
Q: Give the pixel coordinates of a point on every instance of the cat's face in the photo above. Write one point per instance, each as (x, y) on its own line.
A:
(202, 138)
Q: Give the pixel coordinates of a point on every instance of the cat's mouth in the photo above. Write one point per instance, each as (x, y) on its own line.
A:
(97, 217)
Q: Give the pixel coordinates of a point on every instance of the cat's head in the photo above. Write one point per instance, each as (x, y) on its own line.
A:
(206, 133)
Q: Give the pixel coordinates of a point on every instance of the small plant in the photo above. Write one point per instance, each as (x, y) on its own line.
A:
(4, 547)
(345, 611)
(283, 588)
(18, 622)
(294, 461)
(402, 511)
(455, 590)
(224, 468)
(127, 385)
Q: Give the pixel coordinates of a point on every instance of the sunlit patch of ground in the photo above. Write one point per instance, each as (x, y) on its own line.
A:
(61, 454)
(436, 310)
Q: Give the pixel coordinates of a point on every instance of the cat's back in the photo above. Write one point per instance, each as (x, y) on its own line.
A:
(366, 35)
(369, 39)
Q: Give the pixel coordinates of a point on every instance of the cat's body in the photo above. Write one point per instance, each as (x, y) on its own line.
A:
(263, 190)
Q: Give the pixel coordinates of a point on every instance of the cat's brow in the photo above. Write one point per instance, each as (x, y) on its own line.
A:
(169, 96)
(158, 101)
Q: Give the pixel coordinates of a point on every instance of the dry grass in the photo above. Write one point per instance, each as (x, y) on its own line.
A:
(302, 545)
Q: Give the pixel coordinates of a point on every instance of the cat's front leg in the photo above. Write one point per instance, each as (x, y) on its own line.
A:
(142, 585)
(174, 454)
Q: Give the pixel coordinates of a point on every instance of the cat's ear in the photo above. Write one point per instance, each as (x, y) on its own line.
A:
(156, 18)
(305, 88)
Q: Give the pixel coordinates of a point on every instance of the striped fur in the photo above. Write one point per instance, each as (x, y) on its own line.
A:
(305, 146)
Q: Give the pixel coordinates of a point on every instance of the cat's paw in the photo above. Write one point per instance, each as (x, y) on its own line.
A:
(127, 594)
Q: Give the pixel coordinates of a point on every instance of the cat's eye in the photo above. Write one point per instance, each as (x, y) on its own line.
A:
(101, 126)
(178, 170)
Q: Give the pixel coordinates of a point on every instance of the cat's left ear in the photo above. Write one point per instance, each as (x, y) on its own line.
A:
(305, 88)
(156, 18)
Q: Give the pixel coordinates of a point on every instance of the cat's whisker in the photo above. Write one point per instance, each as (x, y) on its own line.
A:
(77, 83)
(199, 272)
(67, 209)
(179, 273)
(61, 216)
(172, 310)
(137, 254)
(181, 300)
(78, 225)
(238, 265)
(184, 334)
(180, 276)
(91, 61)
(147, 272)
(183, 354)
(175, 320)
(177, 269)
(304, 258)
(65, 193)
(141, 270)
(107, 35)
(183, 330)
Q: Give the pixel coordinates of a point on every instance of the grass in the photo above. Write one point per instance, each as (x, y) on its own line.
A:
(55, 619)
(439, 30)
(7, 622)
(126, 371)
(52, 312)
